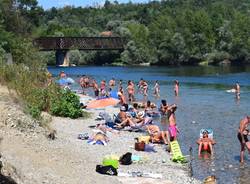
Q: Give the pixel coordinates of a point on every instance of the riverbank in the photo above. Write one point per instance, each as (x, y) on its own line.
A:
(29, 157)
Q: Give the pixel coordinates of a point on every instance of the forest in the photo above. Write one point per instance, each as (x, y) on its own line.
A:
(167, 32)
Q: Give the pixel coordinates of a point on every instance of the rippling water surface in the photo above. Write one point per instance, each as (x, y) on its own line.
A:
(203, 103)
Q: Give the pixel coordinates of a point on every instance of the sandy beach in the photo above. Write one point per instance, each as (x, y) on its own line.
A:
(29, 157)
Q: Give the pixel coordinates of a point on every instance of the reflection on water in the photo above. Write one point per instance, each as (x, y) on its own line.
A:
(203, 103)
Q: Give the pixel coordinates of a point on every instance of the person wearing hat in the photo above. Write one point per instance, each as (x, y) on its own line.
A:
(139, 119)
(205, 143)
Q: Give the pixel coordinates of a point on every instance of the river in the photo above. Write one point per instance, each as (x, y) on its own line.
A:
(203, 103)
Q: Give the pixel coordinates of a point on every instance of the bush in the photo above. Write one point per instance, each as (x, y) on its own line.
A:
(65, 103)
(34, 111)
(30, 85)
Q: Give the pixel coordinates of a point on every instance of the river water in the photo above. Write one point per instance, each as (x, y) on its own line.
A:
(203, 103)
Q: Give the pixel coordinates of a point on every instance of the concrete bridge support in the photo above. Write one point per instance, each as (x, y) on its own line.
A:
(62, 57)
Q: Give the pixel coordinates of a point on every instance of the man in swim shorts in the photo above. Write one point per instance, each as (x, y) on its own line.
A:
(243, 132)
(205, 143)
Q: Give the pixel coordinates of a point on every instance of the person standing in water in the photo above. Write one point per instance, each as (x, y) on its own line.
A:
(140, 86)
(243, 132)
(172, 129)
(176, 88)
(145, 88)
(157, 89)
(131, 91)
(237, 90)
(163, 108)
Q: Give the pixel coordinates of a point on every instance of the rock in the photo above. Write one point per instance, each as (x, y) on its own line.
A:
(52, 135)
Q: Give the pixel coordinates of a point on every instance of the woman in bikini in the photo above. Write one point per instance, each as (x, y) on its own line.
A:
(172, 129)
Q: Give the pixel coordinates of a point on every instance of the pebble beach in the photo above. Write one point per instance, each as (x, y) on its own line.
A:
(29, 157)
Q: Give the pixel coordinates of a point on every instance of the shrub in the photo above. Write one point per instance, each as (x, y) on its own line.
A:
(65, 103)
(30, 85)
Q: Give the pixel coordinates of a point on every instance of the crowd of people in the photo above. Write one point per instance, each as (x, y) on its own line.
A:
(140, 115)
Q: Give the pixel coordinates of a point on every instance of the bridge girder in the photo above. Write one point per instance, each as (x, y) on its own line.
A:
(79, 43)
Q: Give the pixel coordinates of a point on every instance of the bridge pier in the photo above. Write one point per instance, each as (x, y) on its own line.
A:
(62, 57)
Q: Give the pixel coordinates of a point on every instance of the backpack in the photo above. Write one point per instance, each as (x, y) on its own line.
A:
(126, 159)
(108, 170)
(139, 146)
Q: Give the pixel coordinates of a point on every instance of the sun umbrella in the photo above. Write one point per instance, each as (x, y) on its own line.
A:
(100, 103)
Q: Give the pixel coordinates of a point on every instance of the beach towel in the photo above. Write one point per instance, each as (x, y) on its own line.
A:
(99, 142)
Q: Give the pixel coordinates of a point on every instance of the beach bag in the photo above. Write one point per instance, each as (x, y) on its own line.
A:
(144, 139)
(108, 170)
(139, 146)
(110, 161)
(126, 159)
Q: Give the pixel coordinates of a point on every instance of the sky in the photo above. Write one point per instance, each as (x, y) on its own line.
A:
(46, 4)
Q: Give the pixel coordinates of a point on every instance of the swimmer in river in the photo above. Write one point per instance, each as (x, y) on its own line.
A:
(237, 90)
(243, 132)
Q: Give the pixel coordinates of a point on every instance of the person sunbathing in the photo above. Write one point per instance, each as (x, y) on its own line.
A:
(128, 120)
(98, 138)
(157, 136)
(105, 129)
(124, 118)
(205, 143)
